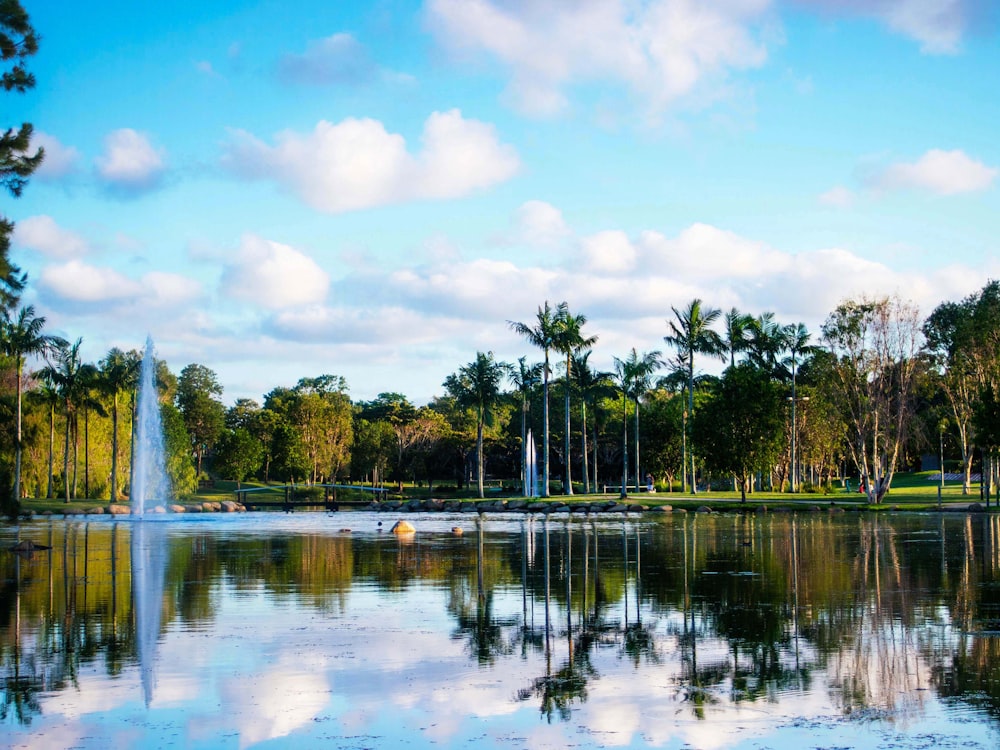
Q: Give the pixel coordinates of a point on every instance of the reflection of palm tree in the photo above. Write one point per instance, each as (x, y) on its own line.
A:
(691, 334)
(543, 336)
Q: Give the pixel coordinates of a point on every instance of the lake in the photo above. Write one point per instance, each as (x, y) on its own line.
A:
(778, 630)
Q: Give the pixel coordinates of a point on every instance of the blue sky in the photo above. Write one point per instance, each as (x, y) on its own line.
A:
(280, 190)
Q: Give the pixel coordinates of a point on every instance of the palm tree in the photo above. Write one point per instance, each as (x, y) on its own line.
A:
(65, 373)
(22, 337)
(543, 336)
(591, 385)
(795, 338)
(524, 378)
(624, 378)
(640, 371)
(91, 385)
(569, 341)
(737, 326)
(691, 334)
(477, 385)
(766, 341)
(120, 373)
(48, 396)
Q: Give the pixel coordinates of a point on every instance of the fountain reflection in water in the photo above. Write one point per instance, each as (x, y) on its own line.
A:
(149, 486)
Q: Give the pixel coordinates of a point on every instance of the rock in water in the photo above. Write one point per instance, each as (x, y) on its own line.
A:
(402, 527)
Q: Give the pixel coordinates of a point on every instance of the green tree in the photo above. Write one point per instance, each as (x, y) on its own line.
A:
(238, 454)
(22, 337)
(963, 341)
(570, 341)
(478, 386)
(739, 430)
(67, 374)
(639, 370)
(177, 445)
(691, 333)
(737, 332)
(544, 335)
(323, 414)
(875, 343)
(795, 340)
(592, 386)
(18, 42)
(120, 375)
(198, 392)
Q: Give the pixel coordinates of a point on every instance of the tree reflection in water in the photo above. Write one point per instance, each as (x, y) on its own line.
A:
(878, 613)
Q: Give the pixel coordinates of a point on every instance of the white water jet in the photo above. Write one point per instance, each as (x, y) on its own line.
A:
(148, 487)
(149, 476)
(531, 468)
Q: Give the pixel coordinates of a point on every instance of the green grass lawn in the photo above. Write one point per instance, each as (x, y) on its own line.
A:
(910, 491)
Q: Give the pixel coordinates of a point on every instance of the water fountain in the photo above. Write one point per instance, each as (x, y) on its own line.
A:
(531, 488)
(149, 475)
(148, 547)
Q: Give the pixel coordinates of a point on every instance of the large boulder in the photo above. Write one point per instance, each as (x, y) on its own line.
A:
(119, 510)
(402, 527)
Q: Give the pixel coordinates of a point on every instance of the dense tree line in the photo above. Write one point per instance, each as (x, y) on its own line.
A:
(878, 388)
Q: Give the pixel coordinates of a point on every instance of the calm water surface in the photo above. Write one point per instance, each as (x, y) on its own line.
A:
(685, 631)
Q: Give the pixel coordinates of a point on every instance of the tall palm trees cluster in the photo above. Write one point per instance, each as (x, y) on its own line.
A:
(68, 384)
(691, 331)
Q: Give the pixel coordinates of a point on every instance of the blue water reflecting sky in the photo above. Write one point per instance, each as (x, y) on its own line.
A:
(427, 663)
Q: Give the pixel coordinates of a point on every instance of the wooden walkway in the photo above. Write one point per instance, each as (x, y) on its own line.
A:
(288, 497)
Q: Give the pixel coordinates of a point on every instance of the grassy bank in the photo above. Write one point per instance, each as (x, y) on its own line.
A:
(911, 491)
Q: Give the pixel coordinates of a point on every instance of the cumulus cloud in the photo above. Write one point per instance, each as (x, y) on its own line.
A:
(337, 59)
(661, 50)
(79, 285)
(273, 276)
(939, 25)
(357, 164)
(941, 172)
(541, 223)
(130, 164)
(60, 160)
(42, 234)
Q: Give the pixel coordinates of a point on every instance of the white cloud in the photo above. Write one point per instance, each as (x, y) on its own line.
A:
(42, 234)
(76, 281)
(130, 163)
(274, 276)
(76, 284)
(608, 252)
(942, 172)
(540, 223)
(60, 160)
(357, 164)
(837, 197)
(661, 50)
(939, 25)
